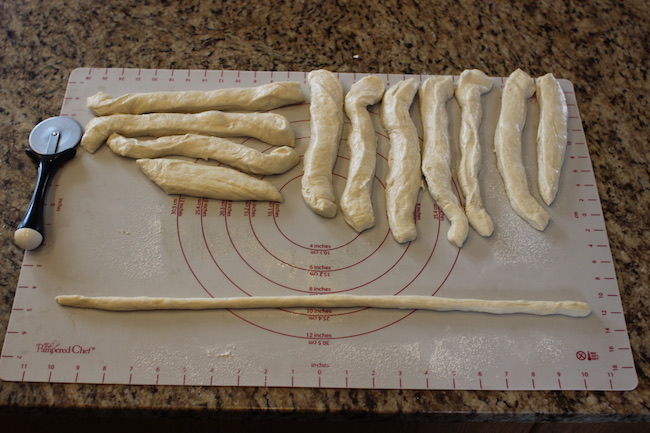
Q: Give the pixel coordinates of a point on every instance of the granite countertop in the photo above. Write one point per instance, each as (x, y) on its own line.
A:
(601, 46)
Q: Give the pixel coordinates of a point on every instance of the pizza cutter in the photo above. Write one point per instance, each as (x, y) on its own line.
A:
(52, 143)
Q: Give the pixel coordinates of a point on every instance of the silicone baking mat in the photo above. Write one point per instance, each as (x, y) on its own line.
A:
(112, 232)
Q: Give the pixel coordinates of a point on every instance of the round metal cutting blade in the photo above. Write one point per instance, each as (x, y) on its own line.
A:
(55, 135)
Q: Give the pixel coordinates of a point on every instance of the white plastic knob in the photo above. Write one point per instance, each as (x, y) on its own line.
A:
(27, 238)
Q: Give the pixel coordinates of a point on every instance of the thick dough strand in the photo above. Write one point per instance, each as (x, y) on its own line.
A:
(176, 176)
(552, 135)
(260, 98)
(414, 302)
(436, 154)
(239, 156)
(507, 145)
(471, 85)
(269, 127)
(326, 111)
(356, 200)
(404, 172)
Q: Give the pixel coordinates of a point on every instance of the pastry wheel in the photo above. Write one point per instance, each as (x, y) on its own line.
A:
(52, 143)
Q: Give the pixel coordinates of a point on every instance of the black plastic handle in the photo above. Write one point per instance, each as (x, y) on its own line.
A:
(47, 166)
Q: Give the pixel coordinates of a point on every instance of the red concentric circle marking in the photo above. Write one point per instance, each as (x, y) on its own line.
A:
(340, 337)
(289, 239)
(306, 269)
(235, 276)
(298, 313)
(275, 220)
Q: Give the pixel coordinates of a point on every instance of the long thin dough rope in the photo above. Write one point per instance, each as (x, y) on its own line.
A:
(140, 303)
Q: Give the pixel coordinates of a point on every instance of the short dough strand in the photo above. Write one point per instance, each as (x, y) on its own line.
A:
(404, 177)
(270, 128)
(508, 147)
(436, 154)
(239, 156)
(175, 176)
(326, 123)
(356, 200)
(260, 98)
(552, 135)
(471, 85)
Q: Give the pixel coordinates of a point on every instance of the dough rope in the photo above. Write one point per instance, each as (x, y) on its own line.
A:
(176, 176)
(239, 156)
(356, 200)
(507, 145)
(436, 154)
(541, 308)
(269, 127)
(326, 123)
(552, 135)
(260, 98)
(404, 172)
(471, 85)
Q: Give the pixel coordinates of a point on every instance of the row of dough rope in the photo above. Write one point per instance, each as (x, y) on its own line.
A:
(193, 124)
(326, 109)
(408, 162)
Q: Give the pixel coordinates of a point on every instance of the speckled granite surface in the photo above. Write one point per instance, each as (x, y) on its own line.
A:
(601, 46)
